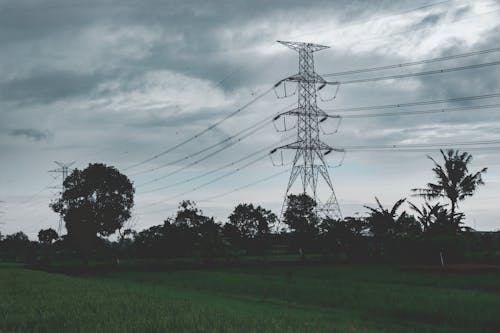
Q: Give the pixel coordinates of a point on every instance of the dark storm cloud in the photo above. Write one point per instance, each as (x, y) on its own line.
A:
(48, 87)
(120, 81)
(31, 133)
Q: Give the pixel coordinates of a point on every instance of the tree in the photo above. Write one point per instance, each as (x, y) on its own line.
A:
(151, 242)
(47, 236)
(17, 245)
(252, 225)
(385, 223)
(199, 232)
(301, 218)
(454, 181)
(252, 221)
(390, 230)
(95, 201)
(437, 219)
(342, 237)
(441, 229)
(189, 215)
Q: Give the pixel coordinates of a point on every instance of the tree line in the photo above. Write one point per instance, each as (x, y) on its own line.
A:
(96, 203)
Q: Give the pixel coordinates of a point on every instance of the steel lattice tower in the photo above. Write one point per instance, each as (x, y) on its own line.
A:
(63, 170)
(309, 160)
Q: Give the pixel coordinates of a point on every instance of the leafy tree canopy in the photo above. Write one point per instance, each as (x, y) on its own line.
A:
(300, 214)
(96, 200)
(388, 223)
(454, 181)
(47, 236)
(252, 221)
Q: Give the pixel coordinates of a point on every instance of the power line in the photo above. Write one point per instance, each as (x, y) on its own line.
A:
(230, 173)
(209, 128)
(437, 71)
(419, 112)
(251, 129)
(215, 152)
(419, 103)
(36, 194)
(246, 185)
(424, 149)
(227, 174)
(422, 145)
(214, 170)
(414, 63)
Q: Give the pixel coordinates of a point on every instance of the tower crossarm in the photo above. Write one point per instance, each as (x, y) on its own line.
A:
(298, 46)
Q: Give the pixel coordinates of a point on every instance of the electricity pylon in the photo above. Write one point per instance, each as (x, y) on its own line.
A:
(63, 170)
(309, 160)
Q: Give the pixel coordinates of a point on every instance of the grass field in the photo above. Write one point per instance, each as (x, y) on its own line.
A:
(279, 298)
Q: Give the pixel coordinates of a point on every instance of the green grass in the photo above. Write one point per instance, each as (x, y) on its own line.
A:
(284, 298)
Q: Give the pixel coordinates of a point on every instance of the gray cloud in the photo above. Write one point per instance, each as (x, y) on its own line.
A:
(31, 133)
(120, 81)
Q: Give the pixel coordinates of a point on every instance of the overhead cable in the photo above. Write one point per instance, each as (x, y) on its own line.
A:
(209, 128)
(432, 72)
(419, 103)
(413, 63)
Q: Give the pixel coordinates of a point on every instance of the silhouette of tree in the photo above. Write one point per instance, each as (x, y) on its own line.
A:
(252, 222)
(151, 242)
(201, 233)
(17, 238)
(189, 215)
(441, 231)
(301, 218)
(436, 218)
(383, 222)
(16, 245)
(94, 201)
(47, 236)
(389, 229)
(342, 237)
(454, 181)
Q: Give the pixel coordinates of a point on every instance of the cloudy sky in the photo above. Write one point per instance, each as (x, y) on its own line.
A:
(122, 81)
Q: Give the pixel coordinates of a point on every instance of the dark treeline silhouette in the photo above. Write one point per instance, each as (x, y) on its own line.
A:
(96, 202)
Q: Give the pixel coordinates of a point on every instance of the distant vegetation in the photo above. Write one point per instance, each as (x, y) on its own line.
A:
(96, 203)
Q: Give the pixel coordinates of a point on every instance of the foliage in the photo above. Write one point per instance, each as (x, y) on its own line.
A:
(454, 181)
(384, 223)
(95, 201)
(252, 222)
(17, 240)
(47, 236)
(343, 238)
(436, 219)
(249, 227)
(17, 246)
(189, 215)
(300, 216)
(190, 233)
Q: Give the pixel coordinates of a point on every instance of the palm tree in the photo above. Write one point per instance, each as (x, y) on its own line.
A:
(454, 181)
(437, 218)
